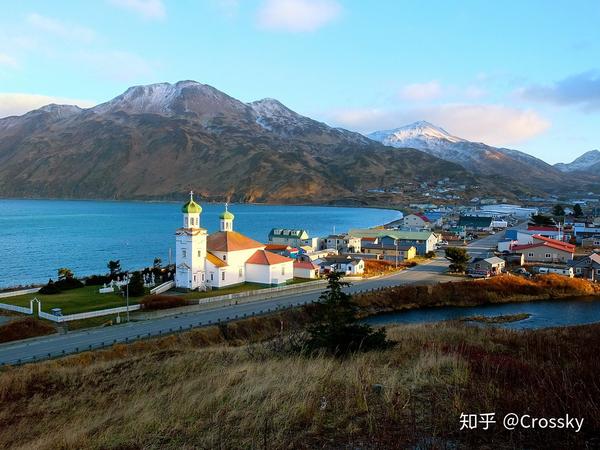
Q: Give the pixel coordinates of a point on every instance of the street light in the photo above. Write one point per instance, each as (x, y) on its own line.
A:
(127, 278)
(396, 242)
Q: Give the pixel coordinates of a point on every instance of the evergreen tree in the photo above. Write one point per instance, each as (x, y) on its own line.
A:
(336, 328)
(136, 285)
(541, 220)
(114, 267)
(558, 210)
(459, 259)
(577, 211)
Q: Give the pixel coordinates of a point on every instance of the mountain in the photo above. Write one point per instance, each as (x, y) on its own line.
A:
(479, 158)
(588, 162)
(161, 140)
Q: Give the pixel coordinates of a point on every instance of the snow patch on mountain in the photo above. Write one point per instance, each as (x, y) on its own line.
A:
(583, 163)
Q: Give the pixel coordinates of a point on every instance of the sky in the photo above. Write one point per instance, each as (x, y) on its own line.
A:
(523, 75)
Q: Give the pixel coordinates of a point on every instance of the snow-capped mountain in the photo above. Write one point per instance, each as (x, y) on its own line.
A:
(589, 161)
(475, 156)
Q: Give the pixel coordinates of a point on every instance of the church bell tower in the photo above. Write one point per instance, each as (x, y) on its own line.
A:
(190, 256)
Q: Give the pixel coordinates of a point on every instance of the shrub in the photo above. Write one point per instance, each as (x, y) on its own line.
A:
(430, 254)
(97, 280)
(68, 283)
(155, 302)
(136, 285)
(24, 328)
(50, 288)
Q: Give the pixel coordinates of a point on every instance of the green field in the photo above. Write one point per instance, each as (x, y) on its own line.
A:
(74, 301)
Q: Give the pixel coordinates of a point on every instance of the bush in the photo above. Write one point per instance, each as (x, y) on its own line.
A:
(430, 254)
(50, 288)
(97, 280)
(136, 285)
(155, 302)
(68, 283)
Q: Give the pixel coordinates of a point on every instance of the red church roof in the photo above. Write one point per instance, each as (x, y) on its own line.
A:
(267, 258)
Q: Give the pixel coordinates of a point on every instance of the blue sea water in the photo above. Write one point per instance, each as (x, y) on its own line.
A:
(39, 236)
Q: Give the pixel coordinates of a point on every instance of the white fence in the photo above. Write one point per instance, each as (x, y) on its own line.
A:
(163, 287)
(19, 309)
(16, 293)
(86, 315)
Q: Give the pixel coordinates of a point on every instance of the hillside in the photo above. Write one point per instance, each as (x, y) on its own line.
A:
(157, 141)
(479, 158)
(588, 162)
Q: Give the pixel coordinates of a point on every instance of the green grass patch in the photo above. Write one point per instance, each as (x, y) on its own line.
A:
(73, 301)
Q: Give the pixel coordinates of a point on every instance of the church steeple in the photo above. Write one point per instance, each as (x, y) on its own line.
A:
(226, 220)
(191, 213)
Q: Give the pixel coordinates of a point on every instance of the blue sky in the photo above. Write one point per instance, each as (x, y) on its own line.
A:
(524, 75)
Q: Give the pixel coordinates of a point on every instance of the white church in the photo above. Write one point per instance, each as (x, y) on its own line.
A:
(225, 258)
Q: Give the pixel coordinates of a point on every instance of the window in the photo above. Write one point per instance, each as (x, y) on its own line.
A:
(240, 272)
(202, 277)
(530, 255)
(282, 270)
(212, 276)
(183, 253)
(199, 253)
(224, 257)
(578, 270)
(548, 255)
(186, 222)
(223, 276)
(194, 278)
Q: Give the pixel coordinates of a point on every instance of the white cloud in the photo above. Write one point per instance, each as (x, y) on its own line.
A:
(297, 15)
(148, 9)
(493, 124)
(61, 29)
(8, 61)
(12, 104)
(421, 91)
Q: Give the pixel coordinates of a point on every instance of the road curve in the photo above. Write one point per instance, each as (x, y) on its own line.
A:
(52, 346)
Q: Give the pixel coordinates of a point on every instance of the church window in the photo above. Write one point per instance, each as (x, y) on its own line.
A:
(186, 222)
(202, 277)
(224, 257)
(194, 278)
(199, 253)
(282, 270)
(212, 276)
(183, 253)
(240, 272)
(223, 276)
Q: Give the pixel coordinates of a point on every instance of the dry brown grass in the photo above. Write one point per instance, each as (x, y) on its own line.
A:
(507, 288)
(24, 328)
(185, 396)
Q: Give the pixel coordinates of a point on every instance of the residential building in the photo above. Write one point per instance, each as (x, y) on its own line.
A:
(490, 266)
(317, 254)
(416, 221)
(293, 238)
(347, 265)
(587, 267)
(546, 250)
(224, 258)
(423, 241)
(389, 249)
(591, 242)
(305, 269)
(343, 243)
(510, 210)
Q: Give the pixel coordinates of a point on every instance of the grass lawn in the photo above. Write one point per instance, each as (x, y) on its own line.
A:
(74, 301)
(233, 289)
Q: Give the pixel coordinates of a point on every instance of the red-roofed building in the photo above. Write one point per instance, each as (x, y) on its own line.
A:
(418, 221)
(305, 269)
(546, 250)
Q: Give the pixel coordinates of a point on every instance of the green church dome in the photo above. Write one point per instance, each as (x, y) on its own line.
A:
(191, 207)
(227, 215)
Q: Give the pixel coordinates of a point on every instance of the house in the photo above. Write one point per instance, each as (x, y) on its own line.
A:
(544, 249)
(475, 223)
(587, 267)
(436, 218)
(389, 249)
(224, 258)
(490, 266)
(582, 232)
(546, 231)
(305, 269)
(343, 264)
(293, 238)
(343, 243)
(418, 221)
(591, 242)
(423, 241)
(317, 254)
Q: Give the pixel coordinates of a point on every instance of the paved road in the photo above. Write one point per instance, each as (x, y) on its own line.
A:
(78, 341)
